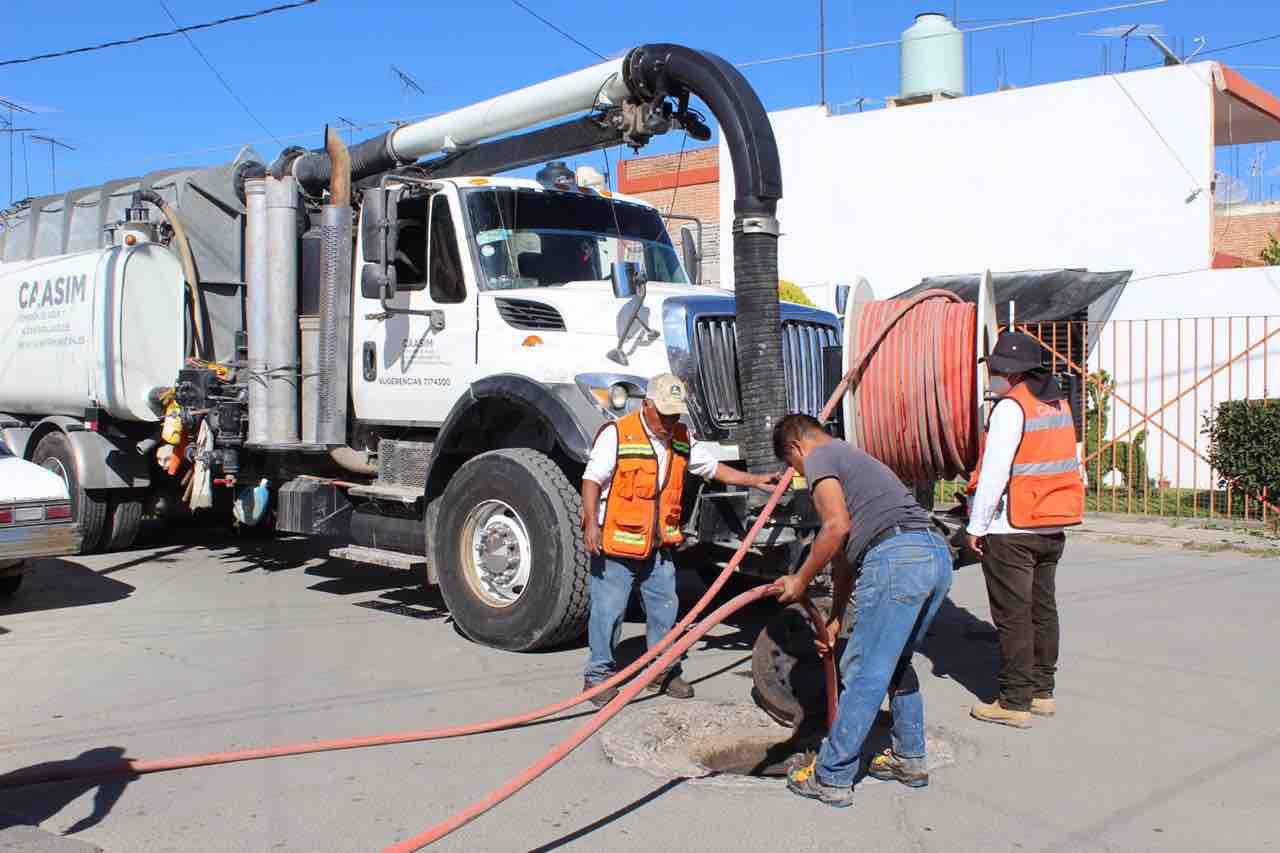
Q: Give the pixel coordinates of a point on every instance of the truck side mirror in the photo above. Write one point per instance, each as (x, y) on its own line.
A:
(842, 298)
(627, 278)
(692, 253)
(378, 281)
(379, 217)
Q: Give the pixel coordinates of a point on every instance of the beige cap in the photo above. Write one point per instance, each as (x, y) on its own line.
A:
(668, 394)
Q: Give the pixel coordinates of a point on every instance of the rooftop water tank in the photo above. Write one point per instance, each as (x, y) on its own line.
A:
(932, 57)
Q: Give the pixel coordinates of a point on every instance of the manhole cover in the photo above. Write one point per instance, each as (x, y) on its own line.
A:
(722, 745)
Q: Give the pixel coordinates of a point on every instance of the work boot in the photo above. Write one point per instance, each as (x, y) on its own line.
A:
(1044, 706)
(672, 684)
(893, 768)
(604, 697)
(805, 782)
(996, 712)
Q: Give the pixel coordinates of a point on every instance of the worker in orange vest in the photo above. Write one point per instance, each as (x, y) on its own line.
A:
(1028, 490)
(631, 493)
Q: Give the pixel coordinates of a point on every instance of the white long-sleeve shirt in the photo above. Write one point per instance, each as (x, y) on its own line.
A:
(604, 459)
(989, 512)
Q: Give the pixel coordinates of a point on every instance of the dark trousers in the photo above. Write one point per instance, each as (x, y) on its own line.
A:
(1020, 569)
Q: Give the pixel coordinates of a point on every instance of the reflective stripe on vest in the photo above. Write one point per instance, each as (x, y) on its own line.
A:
(640, 512)
(1061, 466)
(1048, 422)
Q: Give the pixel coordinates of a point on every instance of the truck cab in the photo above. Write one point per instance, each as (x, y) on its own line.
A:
(492, 338)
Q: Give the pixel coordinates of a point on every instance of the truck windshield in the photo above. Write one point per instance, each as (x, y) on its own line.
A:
(533, 238)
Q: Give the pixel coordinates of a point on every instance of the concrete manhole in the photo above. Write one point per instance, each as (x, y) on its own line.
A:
(724, 745)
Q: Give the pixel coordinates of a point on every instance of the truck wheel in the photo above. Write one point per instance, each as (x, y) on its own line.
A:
(89, 509)
(508, 551)
(124, 520)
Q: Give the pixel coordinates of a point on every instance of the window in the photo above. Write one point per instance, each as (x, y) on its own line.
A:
(411, 243)
(528, 238)
(444, 267)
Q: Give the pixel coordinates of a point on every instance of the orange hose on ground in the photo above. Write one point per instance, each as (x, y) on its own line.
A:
(605, 714)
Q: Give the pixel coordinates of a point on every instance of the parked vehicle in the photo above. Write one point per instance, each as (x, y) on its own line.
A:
(35, 518)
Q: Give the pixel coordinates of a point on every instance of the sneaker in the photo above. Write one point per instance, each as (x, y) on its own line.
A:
(995, 712)
(672, 684)
(604, 697)
(804, 782)
(891, 768)
(1044, 707)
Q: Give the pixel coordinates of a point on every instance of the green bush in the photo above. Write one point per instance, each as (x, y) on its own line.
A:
(1118, 456)
(1244, 445)
(789, 291)
(1271, 252)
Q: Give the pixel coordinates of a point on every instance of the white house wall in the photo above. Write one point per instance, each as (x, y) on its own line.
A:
(1063, 175)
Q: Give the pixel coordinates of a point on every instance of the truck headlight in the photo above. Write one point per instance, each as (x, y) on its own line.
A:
(617, 395)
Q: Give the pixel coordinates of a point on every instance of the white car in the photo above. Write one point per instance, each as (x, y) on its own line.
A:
(35, 518)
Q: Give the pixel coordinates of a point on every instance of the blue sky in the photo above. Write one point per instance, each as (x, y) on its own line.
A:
(130, 110)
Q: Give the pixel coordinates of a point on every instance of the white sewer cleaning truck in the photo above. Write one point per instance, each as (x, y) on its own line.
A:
(411, 356)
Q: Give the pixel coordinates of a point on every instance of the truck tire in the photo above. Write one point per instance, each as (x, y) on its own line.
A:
(89, 509)
(123, 521)
(508, 551)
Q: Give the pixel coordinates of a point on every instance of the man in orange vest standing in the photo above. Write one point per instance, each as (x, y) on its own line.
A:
(631, 494)
(1028, 490)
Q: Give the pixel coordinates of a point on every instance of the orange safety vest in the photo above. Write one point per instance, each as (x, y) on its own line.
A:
(1045, 489)
(638, 505)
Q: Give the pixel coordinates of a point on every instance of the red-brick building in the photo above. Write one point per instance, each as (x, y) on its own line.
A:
(692, 181)
(1240, 231)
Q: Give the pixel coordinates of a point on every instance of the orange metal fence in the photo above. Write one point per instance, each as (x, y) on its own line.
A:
(1142, 391)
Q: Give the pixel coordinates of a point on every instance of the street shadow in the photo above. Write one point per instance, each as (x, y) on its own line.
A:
(168, 555)
(36, 803)
(609, 818)
(964, 648)
(255, 553)
(55, 584)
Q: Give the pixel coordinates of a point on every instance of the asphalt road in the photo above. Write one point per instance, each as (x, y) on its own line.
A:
(1167, 737)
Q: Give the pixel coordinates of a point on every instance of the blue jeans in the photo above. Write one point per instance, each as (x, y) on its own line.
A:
(898, 592)
(612, 579)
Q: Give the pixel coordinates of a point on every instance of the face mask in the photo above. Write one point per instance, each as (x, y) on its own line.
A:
(999, 386)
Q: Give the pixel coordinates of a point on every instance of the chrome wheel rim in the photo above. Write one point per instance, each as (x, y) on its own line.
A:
(497, 556)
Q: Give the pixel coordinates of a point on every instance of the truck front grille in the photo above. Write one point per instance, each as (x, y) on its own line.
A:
(716, 356)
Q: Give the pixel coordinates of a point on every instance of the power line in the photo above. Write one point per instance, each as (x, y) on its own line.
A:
(891, 42)
(567, 35)
(1241, 44)
(221, 79)
(1194, 181)
(149, 36)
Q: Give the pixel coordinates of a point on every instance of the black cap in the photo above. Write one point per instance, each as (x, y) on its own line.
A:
(1015, 352)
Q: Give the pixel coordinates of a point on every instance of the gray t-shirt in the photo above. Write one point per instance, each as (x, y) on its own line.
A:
(875, 497)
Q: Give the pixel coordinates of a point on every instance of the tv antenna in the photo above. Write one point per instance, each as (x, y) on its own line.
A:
(856, 102)
(351, 128)
(1123, 32)
(54, 145)
(408, 86)
(1229, 190)
(12, 107)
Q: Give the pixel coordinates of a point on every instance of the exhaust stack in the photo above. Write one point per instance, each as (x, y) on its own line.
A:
(255, 193)
(335, 299)
(282, 368)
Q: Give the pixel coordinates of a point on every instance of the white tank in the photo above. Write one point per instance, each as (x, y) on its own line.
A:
(932, 57)
(99, 328)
